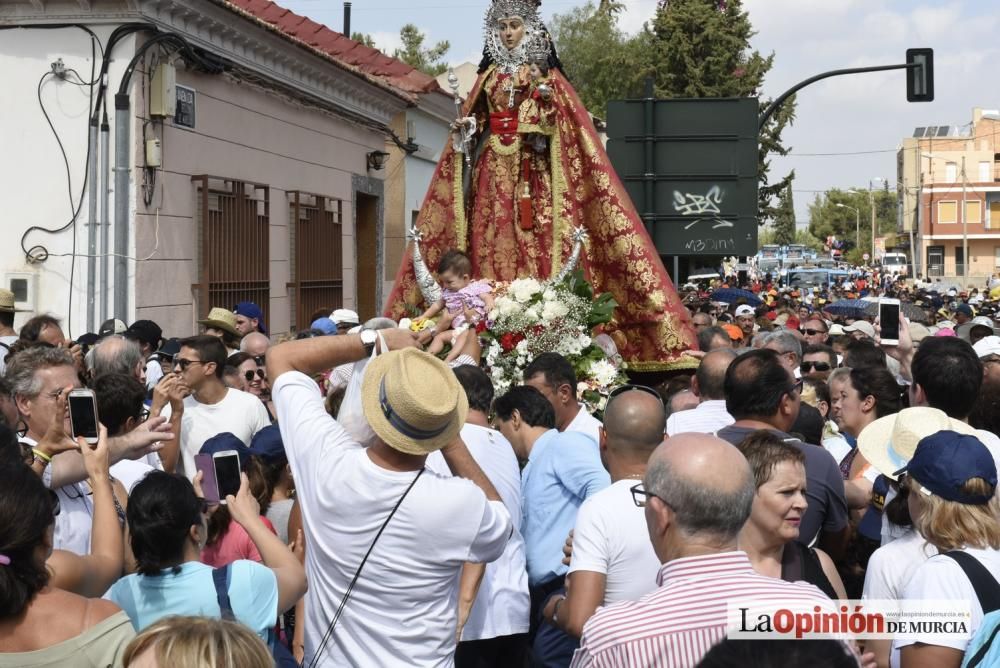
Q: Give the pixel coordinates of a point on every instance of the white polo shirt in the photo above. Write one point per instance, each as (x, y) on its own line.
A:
(585, 423)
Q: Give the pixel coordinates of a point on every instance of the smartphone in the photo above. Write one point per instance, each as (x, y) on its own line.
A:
(227, 473)
(209, 485)
(83, 414)
(888, 318)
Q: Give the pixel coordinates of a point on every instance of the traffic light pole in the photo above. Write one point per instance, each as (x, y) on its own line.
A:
(771, 108)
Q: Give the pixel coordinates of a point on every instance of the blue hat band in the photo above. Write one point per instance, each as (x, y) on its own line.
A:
(401, 425)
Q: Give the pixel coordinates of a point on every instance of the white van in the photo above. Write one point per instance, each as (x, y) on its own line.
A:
(895, 263)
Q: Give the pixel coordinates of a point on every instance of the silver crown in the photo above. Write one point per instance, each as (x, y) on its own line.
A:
(509, 59)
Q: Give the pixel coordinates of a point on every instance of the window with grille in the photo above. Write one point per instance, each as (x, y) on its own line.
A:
(233, 243)
(316, 224)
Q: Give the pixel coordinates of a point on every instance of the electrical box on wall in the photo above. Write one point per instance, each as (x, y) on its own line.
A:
(184, 115)
(162, 93)
(23, 285)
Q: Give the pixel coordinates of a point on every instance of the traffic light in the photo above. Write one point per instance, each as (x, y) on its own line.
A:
(920, 79)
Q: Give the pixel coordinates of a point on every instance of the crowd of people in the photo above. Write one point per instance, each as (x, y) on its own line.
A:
(392, 511)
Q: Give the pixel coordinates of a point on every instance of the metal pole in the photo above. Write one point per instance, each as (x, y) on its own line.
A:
(105, 217)
(91, 226)
(965, 233)
(871, 195)
(857, 228)
(121, 204)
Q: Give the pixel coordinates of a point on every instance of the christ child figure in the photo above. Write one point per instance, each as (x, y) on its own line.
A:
(465, 300)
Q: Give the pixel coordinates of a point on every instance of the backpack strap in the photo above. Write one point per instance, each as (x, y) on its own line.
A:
(220, 576)
(977, 658)
(986, 586)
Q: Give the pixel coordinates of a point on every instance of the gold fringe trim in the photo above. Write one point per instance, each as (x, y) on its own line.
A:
(458, 198)
(677, 364)
(558, 189)
(502, 149)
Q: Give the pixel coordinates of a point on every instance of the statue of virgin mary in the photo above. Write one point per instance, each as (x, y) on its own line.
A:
(526, 168)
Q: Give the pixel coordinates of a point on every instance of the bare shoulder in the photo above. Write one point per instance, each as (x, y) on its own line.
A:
(98, 610)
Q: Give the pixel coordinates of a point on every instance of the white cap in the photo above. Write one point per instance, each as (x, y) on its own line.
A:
(862, 326)
(986, 346)
(343, 315)
(836, 329)
(744, 309)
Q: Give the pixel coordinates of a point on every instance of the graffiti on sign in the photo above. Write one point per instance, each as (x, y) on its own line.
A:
(689, 204)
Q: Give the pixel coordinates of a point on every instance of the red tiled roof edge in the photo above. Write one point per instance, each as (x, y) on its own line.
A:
(371, 64)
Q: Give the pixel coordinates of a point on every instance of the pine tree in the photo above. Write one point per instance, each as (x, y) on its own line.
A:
(701, 48)
(784, 219)
(413, 52)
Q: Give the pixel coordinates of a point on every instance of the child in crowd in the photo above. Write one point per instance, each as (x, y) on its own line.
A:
(467, 300)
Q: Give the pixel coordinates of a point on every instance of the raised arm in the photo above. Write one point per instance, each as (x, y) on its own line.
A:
(312, 356)
(288, 570)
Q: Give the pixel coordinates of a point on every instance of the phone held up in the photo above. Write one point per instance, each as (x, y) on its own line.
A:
(83, 415)
(220, 475)
(888, 317)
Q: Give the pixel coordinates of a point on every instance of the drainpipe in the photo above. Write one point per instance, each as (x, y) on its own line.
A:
(105, 216)
(121, 204)
(91, 226)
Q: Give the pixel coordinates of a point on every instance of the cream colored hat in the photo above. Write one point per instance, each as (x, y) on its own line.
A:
(221, 318)
(413, 401)
(888, 443)
(7, 301)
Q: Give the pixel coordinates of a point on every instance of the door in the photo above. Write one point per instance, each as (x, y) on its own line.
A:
(993, 217)
(959, 261)
(366, 231)
(935, 261)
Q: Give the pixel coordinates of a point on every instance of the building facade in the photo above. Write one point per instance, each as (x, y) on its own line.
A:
(949, 197)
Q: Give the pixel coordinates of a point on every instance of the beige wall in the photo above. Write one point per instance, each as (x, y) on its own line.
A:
(246, 134)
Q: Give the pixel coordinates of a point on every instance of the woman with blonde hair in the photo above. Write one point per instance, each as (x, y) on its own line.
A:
(952, 479)
(197, 642)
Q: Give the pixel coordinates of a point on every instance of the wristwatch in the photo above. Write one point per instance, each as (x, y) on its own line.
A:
(368, 339)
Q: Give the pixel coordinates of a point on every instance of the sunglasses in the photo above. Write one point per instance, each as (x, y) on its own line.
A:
(812, 332)
(622, 389)
(249, 375)
(184, 363)
(640, 496)
(819, 366)
(794, 388)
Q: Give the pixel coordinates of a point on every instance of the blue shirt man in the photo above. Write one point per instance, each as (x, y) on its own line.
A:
(563, 469)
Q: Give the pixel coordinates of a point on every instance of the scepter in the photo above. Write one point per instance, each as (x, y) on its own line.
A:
(463, 145)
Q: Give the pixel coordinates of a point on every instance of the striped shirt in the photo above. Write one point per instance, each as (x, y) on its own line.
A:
(678, 623)
(707, 417)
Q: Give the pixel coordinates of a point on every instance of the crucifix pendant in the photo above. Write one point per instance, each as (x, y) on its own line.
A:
(510, 88)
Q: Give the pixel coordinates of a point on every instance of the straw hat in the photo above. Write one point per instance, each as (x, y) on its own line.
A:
(413, 401)
(7, 302)
(220, 318)
(889, 442)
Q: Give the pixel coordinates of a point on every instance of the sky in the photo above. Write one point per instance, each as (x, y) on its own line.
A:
(847, 129)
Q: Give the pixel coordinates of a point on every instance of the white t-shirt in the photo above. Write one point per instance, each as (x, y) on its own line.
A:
(154, 372)
(890, 569)
(941, 578)
(403, 609)
(239, 413)
(707, 417)
(585, 423)
(502, 604)
(76, 512)
(610, 537)
(129, 472)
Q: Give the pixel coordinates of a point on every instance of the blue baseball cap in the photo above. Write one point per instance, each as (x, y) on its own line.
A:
(251, 310)
(945, 461)
(267, 444)
(226, 441)
(324, 325)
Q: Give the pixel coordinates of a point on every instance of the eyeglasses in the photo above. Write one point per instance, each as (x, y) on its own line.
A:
(203, 504)
(260, 359)
(640, 496)
(794, 388)
(144, 414)
(812, 332)
(622, 389)
(819, 366)
(249, 375)
(184, 363)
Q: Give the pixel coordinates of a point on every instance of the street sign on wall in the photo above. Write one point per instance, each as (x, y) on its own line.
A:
(690, 167)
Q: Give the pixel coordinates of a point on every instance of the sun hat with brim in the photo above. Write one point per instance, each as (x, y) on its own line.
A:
(946, 461)
(413, 401)
(965, 329)
(862, 326)
(8, 303)
(889, 442)
(220, 318)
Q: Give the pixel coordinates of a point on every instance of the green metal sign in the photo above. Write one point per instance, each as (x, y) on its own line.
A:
(690, 166)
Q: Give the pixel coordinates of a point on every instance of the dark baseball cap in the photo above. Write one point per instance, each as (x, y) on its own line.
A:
(964, 309)
(145, 331)
(946, 460)
(251, 310)
(111, 326)
(226, 441)
(267, 444)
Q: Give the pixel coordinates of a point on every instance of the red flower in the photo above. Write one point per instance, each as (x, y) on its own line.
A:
(481, 326)
(507, 342)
